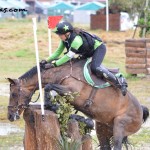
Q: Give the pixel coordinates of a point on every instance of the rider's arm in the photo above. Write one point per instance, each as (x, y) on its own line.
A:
(77, 42)
(57, 53)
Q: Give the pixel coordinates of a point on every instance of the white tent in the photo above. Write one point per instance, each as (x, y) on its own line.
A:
(83, 12)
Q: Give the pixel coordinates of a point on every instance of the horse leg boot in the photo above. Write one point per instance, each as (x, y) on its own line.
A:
(47, 97)
(56, 87)
(121, 84)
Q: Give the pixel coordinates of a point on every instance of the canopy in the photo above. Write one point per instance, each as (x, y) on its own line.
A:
(91, 6)
(62, 6)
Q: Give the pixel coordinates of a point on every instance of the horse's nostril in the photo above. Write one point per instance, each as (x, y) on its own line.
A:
(10, 118)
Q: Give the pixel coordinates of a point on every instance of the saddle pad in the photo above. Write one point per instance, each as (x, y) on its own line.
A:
(95, 81)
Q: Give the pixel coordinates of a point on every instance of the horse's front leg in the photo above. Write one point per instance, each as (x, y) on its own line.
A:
(56, 87)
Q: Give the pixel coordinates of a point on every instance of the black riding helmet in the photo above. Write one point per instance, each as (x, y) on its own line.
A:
(63, 27)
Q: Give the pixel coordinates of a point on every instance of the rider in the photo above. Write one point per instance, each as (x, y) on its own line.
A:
(78, 41)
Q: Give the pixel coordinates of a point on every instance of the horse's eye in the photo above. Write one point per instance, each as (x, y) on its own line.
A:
(14, 95)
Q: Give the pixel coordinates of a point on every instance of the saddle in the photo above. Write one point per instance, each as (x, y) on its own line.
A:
(93, 80)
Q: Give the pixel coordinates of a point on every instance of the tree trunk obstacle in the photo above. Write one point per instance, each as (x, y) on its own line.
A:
(44, 135)
(137, 56)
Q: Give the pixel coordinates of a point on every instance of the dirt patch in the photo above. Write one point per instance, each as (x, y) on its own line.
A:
(4, 89)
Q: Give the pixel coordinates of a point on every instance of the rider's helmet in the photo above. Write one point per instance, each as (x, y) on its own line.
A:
(63, 27)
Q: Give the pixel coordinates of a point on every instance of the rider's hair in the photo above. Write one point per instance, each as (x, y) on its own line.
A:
(77, 30)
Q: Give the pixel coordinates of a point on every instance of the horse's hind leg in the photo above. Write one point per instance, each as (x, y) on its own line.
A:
(119, 131)
(104, 135)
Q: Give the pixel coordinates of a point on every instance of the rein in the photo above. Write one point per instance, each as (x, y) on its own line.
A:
(71, 76)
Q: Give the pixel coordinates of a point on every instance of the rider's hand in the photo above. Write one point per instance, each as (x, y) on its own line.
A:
(50, 65)
(43, 62)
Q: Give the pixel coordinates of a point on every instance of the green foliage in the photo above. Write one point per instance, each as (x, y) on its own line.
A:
(65, 109)
(67, 144)
(130, 6)
(82, 126)
(143, 23)
(121, 5)
(63, 113)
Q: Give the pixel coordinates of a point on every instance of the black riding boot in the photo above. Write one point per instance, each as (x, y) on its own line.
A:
(117, 82)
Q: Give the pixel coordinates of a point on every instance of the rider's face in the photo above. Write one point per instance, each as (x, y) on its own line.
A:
(62, 37)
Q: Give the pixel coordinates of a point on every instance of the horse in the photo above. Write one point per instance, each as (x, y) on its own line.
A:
(116, 116)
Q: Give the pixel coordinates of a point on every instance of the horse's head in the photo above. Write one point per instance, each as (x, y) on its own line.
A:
(19, 99)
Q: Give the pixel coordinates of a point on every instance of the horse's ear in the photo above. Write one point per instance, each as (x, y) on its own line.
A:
(12, 81)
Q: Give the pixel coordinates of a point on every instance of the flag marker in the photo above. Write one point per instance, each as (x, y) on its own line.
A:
(52, 22)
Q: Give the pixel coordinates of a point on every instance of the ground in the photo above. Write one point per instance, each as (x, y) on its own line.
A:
(17, 55)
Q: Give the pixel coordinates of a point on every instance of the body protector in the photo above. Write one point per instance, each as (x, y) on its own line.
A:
(87, 48)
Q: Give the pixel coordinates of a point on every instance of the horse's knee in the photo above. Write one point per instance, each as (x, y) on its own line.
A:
(48, 87)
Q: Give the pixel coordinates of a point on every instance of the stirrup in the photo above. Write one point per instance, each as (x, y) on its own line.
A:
(124, 90)
(122, 86)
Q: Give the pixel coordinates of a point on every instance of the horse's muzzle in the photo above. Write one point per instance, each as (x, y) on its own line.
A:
(13, 117)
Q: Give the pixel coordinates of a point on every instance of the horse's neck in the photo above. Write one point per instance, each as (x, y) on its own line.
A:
(55, 75)
(29, 84)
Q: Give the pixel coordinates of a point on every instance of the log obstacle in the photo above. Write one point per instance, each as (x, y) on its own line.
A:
(44, 135)
(40, 135)
(137, 56)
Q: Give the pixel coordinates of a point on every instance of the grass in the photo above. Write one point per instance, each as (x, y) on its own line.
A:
(137, 139)
(17, 55)
(11, 141)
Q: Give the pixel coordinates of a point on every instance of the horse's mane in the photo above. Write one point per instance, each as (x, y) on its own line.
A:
(30, 73)
(33, 71)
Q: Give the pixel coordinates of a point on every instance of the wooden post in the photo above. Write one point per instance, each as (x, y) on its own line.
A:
(87, 142)
(41, 135)
(73, 133)
(44, 135)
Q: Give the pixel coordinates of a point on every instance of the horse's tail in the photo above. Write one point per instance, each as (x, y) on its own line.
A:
(145, 113)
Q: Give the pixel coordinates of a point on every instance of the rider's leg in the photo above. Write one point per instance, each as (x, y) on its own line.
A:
(103, 72)
(119, 83)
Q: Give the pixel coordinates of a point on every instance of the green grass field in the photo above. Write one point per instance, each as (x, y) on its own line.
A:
(17, 55)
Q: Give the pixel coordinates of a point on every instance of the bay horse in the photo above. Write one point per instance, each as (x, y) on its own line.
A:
(116, 116)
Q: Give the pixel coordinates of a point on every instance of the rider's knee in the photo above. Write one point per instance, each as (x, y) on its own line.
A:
(93, 69)
(99, 71)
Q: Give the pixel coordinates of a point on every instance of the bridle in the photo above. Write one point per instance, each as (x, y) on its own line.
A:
(28, 98)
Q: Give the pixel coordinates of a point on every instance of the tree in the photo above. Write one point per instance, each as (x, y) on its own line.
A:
(135, 7)
(130, 6)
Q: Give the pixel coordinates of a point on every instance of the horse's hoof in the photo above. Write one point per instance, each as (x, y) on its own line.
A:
(47, 105)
